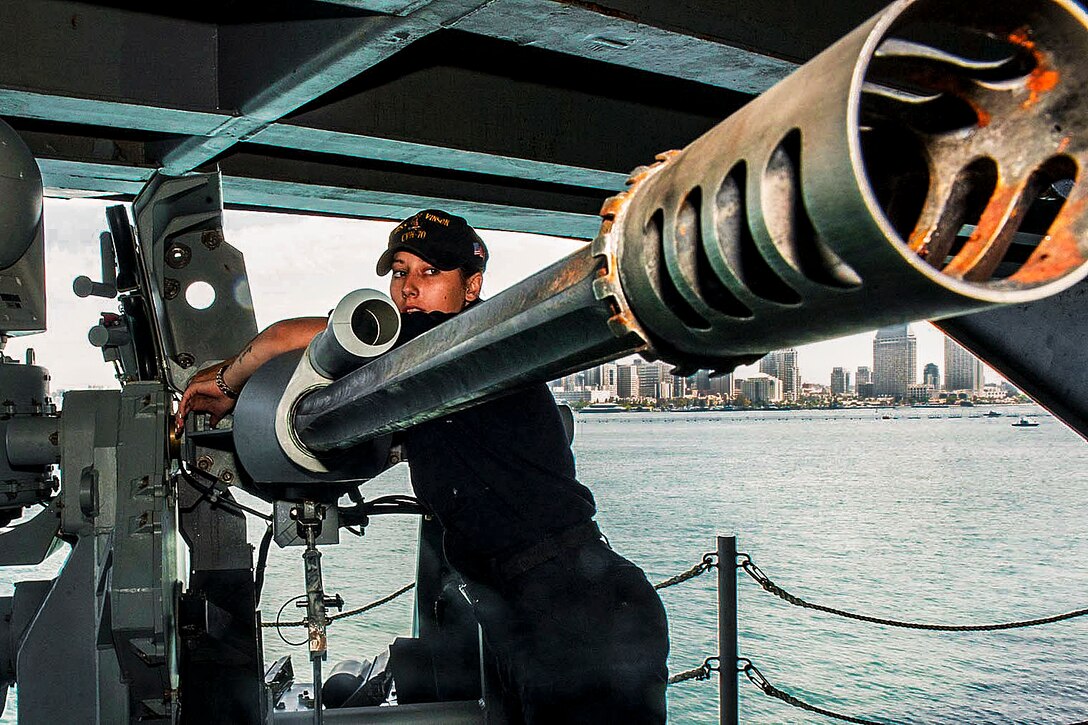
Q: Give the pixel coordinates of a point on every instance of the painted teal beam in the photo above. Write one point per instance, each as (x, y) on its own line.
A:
(110, 114)
(576, 29)
(82, 177)
(340, 201)
(113, 114)
(288, 65)
(424, 155)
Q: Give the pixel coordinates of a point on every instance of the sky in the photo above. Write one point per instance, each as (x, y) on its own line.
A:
(302, 265)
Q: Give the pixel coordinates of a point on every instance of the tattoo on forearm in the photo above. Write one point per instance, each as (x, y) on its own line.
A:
(242, 355)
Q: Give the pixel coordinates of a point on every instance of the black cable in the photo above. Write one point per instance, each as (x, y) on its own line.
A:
(262, 562)
(216, 497)
(199, 499)
(360, 513)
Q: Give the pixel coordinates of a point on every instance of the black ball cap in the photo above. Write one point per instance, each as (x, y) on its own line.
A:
(439, 238)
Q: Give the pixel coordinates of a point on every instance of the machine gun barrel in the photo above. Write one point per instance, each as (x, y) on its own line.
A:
(925, 166)
(547, 325)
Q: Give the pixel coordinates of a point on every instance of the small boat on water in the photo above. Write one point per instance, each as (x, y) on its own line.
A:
(603, 408)
(993, 414)
(1024, 422)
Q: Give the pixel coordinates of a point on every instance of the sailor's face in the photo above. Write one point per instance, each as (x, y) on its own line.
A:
(418, 286)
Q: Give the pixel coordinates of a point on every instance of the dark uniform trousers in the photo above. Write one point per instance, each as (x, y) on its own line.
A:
(580, 638)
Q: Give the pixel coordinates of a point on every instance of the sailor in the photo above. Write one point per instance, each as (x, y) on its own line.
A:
(578, 633)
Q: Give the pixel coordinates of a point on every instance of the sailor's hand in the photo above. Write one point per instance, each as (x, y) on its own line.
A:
(204, 396)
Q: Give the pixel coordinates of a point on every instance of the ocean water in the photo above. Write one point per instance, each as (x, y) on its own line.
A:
(938, 515)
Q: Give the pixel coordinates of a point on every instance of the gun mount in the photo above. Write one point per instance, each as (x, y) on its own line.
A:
(926, 166)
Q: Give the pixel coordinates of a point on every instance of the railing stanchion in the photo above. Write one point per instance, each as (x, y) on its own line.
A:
(727, 629)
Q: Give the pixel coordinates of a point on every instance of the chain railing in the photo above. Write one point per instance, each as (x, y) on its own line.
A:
(745, 562)
(756, 678)
(702, 672)
(710, 561)
(745, 666)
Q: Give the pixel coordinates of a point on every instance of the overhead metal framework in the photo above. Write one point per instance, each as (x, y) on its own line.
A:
(520, 114)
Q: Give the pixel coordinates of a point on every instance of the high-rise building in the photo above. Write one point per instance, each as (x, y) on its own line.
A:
(962, 370)
(864, 375)
(931, 375)
(761, 388)
(681, 386)
(723, 385)
(574, 381)
(782, 364)
(626, 381)
(840, 381)
(895, 355)
(593, 377)
(649, 380)
(608, 377)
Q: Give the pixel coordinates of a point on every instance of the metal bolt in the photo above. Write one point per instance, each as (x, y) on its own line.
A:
(185, 360)
(226, 476)
(204, 463)
(178, 255)
(212, 238)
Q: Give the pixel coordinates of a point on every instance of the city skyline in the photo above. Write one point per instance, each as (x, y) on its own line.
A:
(817, 360)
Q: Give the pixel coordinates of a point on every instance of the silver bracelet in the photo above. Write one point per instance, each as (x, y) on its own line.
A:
(222, 385)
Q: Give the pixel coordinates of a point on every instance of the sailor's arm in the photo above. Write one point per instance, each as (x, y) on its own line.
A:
(203, 395)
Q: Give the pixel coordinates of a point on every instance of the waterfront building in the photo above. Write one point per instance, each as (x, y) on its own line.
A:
(573, 396)
(863, 376)
(723, 385)
(608, 377)
(921, 392)
(680, 385)
(574, 381)
(962, 370)
(761, 388)
(601, 395)
(931, 374)
(865, 390)
(650, 377)
(782, 364)
(768, 365)
(626, 381)
(895, 355)
(840, 381)
(593, 377)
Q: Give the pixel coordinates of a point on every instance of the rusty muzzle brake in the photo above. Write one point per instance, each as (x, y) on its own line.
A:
(924, 166)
